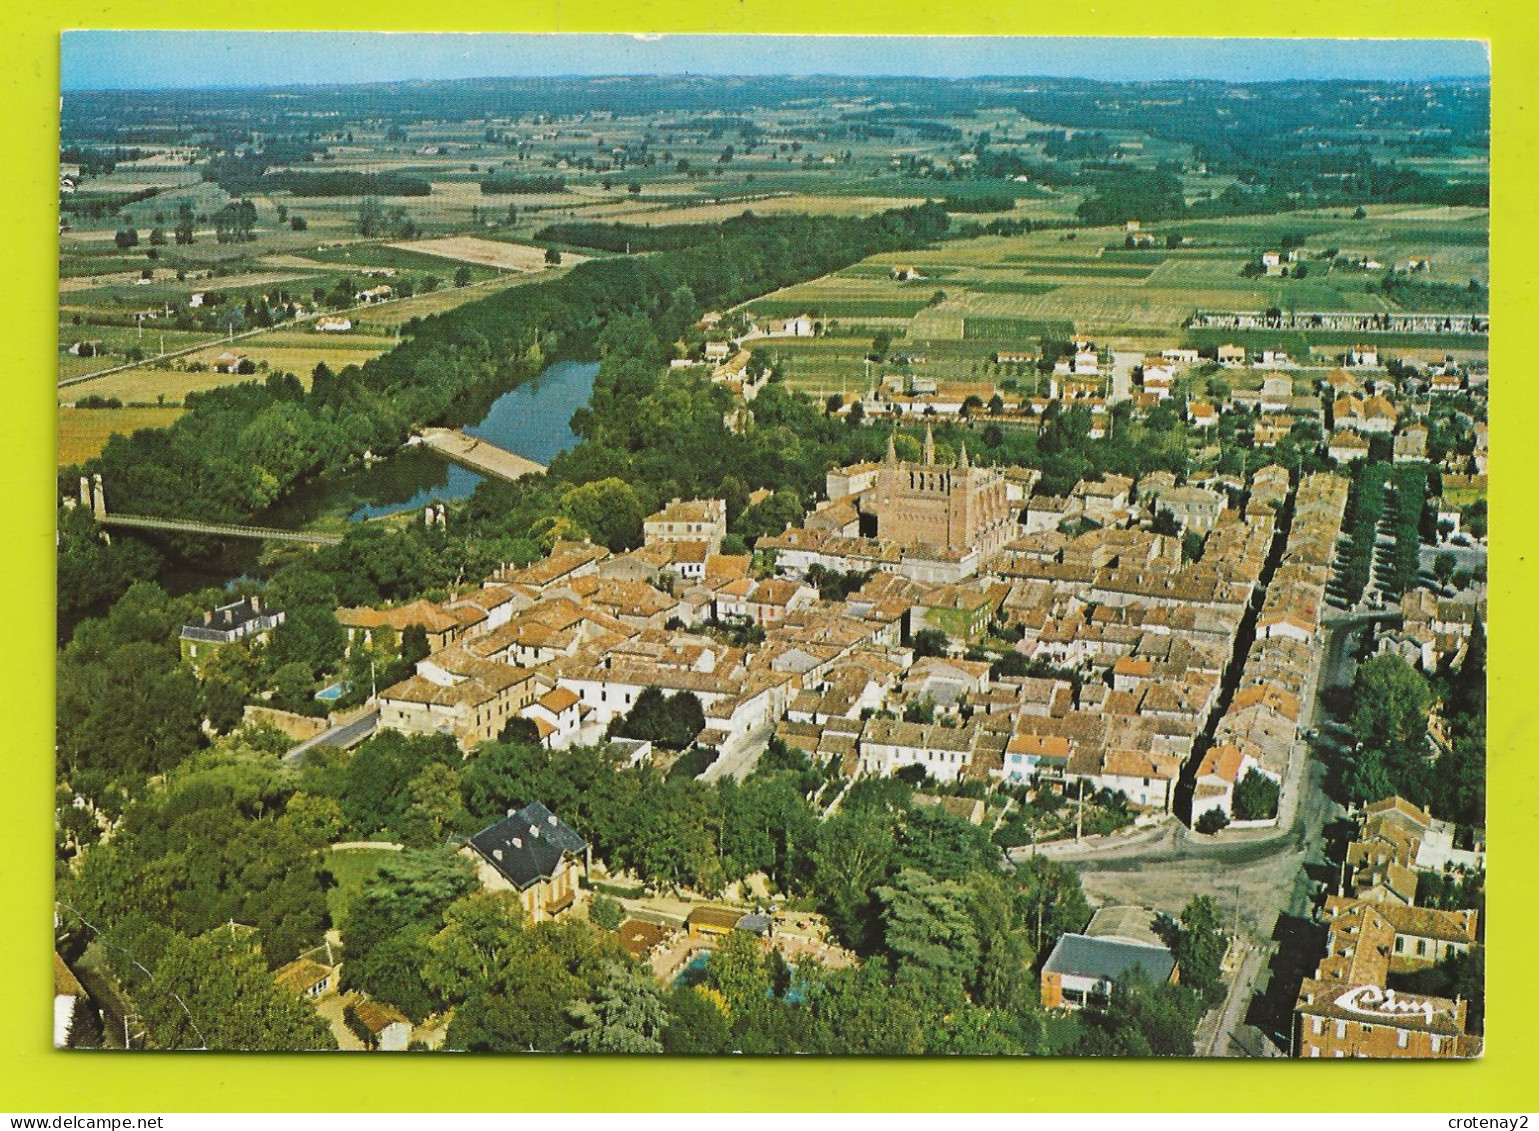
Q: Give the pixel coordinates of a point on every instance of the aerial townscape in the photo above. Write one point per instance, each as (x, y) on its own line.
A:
(845, 565)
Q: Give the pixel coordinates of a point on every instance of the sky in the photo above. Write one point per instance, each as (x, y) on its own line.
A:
(129, 60)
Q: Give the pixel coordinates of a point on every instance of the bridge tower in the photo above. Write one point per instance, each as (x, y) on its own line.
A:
(98, 497)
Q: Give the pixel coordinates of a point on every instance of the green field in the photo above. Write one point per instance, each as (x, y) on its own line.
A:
(1297, 341)
(837, 308)
(364, 256)
(1015, 287)
(352, 868)
(1021, 330)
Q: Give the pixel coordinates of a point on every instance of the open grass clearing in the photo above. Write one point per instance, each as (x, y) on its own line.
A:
(352, 868)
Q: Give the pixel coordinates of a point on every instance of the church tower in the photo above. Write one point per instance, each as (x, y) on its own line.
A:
(953, 506)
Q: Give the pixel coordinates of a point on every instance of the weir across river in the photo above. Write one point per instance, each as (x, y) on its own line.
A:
(479, 455)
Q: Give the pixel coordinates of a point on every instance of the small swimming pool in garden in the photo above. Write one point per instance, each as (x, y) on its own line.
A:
(693, 974)
(694, 970)
(333, 693)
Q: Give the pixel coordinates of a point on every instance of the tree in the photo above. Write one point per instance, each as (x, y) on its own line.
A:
(552, 257)
(371, 216)
(215, 992)
(1443, 566)
(851, 856)
(857, 1011)
(1199, 947)
(1142, 1019)
(298, 224)
(736, 970)
(184, 223)
(626, 1013)
(606, 913)
(390, 923)
(462, 276)
(669, 720)
(609, 510)
(1255, 797)
(1392, 701)
(1211, 821)
(930, 642)
(929, 934)
(696, 1024)
(414, 644)
(435, 803)
(126, 238)
(481, 933)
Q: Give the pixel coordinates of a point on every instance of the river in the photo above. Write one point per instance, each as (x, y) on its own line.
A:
(533, 420)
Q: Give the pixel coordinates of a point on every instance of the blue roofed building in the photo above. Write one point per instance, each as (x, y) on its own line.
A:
(533, 852)
(1082, 970)
(241, 620)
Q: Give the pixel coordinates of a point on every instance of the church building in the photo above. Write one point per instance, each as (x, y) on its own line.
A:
(957, 506)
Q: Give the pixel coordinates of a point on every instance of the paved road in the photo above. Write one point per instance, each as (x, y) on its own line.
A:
(342, 737)
(1255, 875)
(1123, 365)
(740, 758)
(1218, 1027)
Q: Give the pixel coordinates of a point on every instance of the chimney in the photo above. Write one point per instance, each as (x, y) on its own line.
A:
(256, 604)
(208, 617)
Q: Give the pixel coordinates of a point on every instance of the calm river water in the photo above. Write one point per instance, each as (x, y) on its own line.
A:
(532, 420)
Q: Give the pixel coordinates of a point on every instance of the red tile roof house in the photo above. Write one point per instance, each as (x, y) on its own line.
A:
(557, 715)
(380, 1026)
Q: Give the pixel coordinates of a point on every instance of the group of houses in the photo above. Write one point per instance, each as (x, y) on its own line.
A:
(1147, 636)
(1259, 732)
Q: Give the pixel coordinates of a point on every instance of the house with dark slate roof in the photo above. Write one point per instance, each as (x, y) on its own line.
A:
(533, 852)
(1083, 969)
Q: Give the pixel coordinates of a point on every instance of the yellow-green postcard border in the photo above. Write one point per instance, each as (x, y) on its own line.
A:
(36, 1078)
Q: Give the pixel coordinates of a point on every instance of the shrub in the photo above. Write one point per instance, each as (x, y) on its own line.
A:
(1211, 821)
